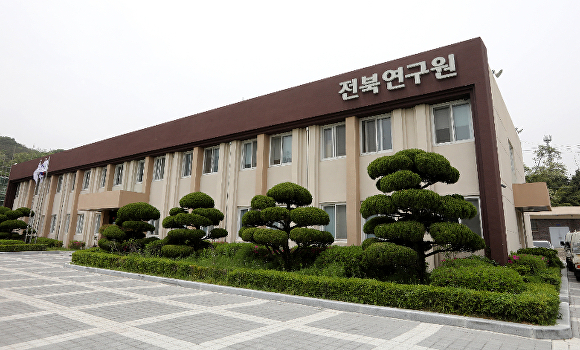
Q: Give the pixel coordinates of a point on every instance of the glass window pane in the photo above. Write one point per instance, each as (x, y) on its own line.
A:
(254, 153)
(340, 222)
(287, 149)
(247, 155)
(275, 150)
(207, 155)
(386, 138)
(461, 121)
(215, 159)
(340, 140)
(369, 136)
(327, 143)
(474, 223)
(442, 125)
(330, 227)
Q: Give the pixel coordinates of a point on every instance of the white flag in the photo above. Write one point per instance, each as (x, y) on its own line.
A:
(40, 172)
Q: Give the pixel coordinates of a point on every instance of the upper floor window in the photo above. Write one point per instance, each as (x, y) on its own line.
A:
(159, 168)
(512, 160)
(59, 183)
(186, 164)
(334, 141)
(86, 179)
(452, 122)
(140, 171)
(376, 134)
(17, 190)
(249, 153)
(211, 157)
(281, 149)
(118, 179)
(103, 176)
(74, 181)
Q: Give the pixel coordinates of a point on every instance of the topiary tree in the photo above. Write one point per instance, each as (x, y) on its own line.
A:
(282, 214)
(195, 212)
(10, 221)
(410, 215)
(131, 224)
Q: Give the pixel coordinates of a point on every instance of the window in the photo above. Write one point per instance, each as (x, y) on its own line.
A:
(376, 134)
(364, 221)
(241, 211)
(186, 164)
(512, 161)
(140, 171)
(103, 177)
(474, 223)
(86, 179)
(80, 223)
(17, 190)
(52, 223)
(211, 157)
(159, 168)
(280, 149)
(118, 179)
(59, 184)
(97, 227)
(249, 149)
(337, 215)
(452, 122)
(67, 222)
(74, 181)
(334, 141)
(155, 223)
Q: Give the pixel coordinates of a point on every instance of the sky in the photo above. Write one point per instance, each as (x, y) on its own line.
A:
(77, 72)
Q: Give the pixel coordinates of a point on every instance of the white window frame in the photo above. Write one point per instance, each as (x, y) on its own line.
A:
(159, 168)
(118, 177)
(335, 152)
(155, 232)
(97, 226)
(80, 223)
(186, 164)
(278, 157)
(140, 171)
(58, 184)
(103, 177)
(211, 157)
(253, 158)
(241, 212)
(378, 142)
(333, 230)
(86, 179)
(477, 217)
(52, 223)
(452, 122)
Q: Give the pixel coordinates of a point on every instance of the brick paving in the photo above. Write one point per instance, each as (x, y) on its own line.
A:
(44, 305)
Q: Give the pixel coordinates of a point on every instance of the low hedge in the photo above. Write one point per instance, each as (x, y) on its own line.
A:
(10, 241)
(491, 278)
(22, 247)
(538, 304)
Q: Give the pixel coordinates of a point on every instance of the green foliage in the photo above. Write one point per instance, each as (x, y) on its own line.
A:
(176, 251)
(154, 248)
(526, 264)
(281, 215)
(473, 260)
(50, 243)
(196, 200)
(551, 255)
(482, 277)
(114, 233)
(411, 210)
(367, 242)
(129, 231)
(383, 259)
(76, 244)
(11, 241)
(22, 247)
(9, 221)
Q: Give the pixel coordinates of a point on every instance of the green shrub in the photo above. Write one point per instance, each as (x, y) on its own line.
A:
(76, 244)
(527, 265)
(384, 259)
(490, 278)
(176, 251)
(10, 241)
(348, 258)
(22, 247)
(473, 260)
(551, 255)
(50, 243)
(153, 248)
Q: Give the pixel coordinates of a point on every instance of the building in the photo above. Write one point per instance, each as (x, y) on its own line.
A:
(553, 225)
(321, 135)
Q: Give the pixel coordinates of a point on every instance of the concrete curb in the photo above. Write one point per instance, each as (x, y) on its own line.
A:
(562, 330)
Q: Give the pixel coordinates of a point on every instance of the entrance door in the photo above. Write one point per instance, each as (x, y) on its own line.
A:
(558, 234)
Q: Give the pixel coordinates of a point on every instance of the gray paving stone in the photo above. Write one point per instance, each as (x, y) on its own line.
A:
(125, 283)
(370, 326)
(277, 310)
(46, 290)
(32, 328)
(86, 298)
(296, 340)
(11, 308)
(31, 282)
(163, 291)
(14, 276)
(107, 340)
(88, 278)
(201, 328)
(214, 299)
(134, 311)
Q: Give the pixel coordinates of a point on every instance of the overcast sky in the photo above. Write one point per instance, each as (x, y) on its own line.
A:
(76, 72)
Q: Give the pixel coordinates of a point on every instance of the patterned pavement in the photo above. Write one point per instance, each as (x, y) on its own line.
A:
(44, 305)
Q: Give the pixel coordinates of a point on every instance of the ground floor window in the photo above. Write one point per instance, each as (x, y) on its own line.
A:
(474, 223)
(337, 215)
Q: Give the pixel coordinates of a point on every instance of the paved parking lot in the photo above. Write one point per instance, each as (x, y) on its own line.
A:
(44, 305)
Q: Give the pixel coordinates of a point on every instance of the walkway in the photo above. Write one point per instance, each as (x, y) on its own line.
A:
(44, 305)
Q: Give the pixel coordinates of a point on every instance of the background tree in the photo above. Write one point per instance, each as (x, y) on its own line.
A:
(131, 224)
(195, 212)
(408, 210)
(282, 215)
(10, 221)
(548, 168)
